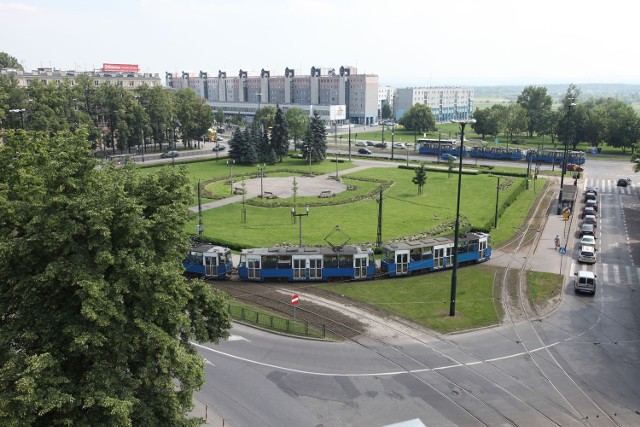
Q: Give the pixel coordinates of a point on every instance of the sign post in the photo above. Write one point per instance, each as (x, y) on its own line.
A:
(294, 302)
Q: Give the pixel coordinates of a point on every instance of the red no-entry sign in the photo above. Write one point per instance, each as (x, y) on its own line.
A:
(294, 299)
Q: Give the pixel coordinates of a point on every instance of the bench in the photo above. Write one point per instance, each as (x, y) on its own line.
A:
(326, 194)
(238, 190)
(269, 195)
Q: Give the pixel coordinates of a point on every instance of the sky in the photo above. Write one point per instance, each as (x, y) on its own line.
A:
(404, 42)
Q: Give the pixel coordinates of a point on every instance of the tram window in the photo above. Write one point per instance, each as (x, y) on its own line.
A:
(331, 261)
(284, 262)
(269, 261)
(416, 254)
(346, 261)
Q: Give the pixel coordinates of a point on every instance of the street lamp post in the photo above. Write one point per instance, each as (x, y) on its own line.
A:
(337, 176)
(230, 163)
(393, 133)
(299, 215)
(454, 273)
(564, 159)
(21, 112)
(261, 169)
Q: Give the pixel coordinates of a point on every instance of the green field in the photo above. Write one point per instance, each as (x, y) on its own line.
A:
(355, 212)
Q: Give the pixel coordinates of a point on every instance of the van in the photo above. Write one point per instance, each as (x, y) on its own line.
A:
(585, 281)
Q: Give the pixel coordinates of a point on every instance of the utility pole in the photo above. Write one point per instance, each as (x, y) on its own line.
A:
(379, 236)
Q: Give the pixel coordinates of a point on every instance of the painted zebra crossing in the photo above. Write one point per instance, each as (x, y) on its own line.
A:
(606, 186)
(614, 274)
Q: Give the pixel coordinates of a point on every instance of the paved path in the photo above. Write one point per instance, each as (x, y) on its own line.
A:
(282, 187)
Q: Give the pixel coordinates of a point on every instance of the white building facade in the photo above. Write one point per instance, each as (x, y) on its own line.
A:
(446, 103)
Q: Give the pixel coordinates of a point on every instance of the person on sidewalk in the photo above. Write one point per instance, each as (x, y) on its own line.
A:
(557, 241)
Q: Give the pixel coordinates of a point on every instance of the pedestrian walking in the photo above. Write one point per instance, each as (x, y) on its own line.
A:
(557, 241)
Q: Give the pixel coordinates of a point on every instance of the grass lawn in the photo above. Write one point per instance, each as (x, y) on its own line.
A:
(425, 299)
(404, 212)
(543, 286)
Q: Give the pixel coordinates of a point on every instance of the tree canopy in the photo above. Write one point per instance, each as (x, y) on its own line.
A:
(537, 104)
(315, 140)
(97, 316)
(8, 61)
(419, 118)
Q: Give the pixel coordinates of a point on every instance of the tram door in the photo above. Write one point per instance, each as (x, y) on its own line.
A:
(438, 256)
(360, 266)
(402, 262)
(299, 268)
(211, 264)
(482, 249)
(253, 267)
(315, 268)
(448, 256)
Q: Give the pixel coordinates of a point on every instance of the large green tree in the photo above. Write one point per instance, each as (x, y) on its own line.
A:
(513, 120)
(8, 61)
(97, 317)
(315, 139)
(297, 123)
(419, 118)
(280, 134)
(420, 177)
(537, 103)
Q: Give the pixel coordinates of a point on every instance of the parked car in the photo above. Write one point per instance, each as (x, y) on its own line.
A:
(588, 240)
(592, 189)
(364, 151)
(587, 254)
(590, 195)
(370, 144)
(589, 210)
(590, 219)
(447, 156)
(169, 154)
(381, 145)
(623, 182)
(575, 168)
(587, 230)
(585, 281)
(361, 144)
(219, 138)
(219, 147)
(591, 204)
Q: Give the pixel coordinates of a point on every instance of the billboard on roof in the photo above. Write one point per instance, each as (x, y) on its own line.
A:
(122, 68)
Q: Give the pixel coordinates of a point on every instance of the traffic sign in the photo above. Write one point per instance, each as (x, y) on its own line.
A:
(294, 299)
(562, 251)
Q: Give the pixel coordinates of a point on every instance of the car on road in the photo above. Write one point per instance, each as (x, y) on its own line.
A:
(590, 195)
(588, 211)
(219, 138)
(447, 156)
(399, 145)
(575, 168)
(588, 241)
(623, 182)
(587, 230)
(169, 154)
(590, 219)
(585, 282)
(381, 145)
(361, 143)
(364, 151)
(370, 144)
(587, 254)
(219, 147)
(592, 188)
(591, 204)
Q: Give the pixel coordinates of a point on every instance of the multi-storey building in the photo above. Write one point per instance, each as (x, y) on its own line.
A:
(446, 103)
(385, 96)
(125, 75)
(337, 96)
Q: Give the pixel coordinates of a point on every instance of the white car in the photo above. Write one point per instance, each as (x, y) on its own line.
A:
(587, 254)
(399, 145)
(588, 241)
(361, 143)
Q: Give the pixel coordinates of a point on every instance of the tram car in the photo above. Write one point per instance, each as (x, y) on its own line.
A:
(556, 156)
(208, 261)
(438, 147)
(422, 256)
(305, 264)
(496, 153)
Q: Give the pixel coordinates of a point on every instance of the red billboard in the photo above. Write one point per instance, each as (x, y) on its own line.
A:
(121, 68)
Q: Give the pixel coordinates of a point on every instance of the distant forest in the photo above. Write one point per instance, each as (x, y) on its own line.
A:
(624, 92)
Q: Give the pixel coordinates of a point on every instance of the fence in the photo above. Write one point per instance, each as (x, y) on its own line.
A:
(298, 327)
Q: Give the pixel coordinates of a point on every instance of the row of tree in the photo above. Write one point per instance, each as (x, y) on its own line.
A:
(596, 120)
(255, 144)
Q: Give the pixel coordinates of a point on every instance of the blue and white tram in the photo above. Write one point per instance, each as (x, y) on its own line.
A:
(497, 153)
(438, 147)
(421, 256)
(304, 264)
(556, 156)
(209, 261)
